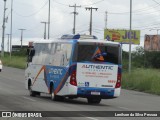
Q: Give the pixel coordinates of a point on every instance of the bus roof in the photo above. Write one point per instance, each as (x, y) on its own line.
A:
(80, 41)
(78, 36)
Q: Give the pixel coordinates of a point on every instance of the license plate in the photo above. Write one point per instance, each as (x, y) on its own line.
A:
(95, 93)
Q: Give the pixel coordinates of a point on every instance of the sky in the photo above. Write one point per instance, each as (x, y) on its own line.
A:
(28, 14)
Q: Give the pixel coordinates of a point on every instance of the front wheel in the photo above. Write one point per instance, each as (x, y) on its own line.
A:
(94, 100)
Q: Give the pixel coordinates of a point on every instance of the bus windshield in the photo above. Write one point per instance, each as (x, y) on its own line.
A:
(97, 53)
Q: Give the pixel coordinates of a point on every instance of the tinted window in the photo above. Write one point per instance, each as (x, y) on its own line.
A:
(94, 53)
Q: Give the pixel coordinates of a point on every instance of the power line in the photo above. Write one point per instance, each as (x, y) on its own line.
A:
(60, 3)
(81, 5)
(93, 3)
(32, 13)
(148, 25)
(82, 31)
(156, 2)
(35, 27)
(138, 10)
(142, 27)
(140, 13)
(147, 13)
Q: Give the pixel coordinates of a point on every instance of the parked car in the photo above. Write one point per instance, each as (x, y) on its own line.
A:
(0, 65)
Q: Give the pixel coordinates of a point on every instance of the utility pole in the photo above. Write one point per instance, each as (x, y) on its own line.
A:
(75, 13)
(130, 39)
(3, 31)
(21, 35)
(8, 42)
(106, 19)
(49, 18)
(45, 29)
(11, 30)
(90, 9)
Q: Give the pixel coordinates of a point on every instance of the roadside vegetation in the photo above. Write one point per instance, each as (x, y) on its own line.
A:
(146, 80)
(145, 74)
(17, 60)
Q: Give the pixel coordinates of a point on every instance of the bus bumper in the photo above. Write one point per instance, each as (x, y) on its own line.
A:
(103, 93)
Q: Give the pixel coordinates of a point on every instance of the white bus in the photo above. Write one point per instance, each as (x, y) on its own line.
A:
(74, 68)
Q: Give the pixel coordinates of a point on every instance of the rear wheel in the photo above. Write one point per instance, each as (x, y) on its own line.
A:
(55, 97)
(94, 100)
(71, 98)
(31, 93)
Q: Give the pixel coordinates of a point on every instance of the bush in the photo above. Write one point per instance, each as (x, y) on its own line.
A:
(21, 52)
(143, 59)
(152, 59)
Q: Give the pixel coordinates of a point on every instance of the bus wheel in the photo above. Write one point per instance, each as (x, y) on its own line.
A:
(38, 93)
(53, 96)
(31, 93)
(94, 100)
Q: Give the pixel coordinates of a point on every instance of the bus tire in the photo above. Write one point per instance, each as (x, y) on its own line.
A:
(94, 100)
(31, 93)
(53, 96)
(38, 93)
(60, 98)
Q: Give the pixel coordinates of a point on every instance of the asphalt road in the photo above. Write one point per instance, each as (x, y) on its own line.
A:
(14, 97)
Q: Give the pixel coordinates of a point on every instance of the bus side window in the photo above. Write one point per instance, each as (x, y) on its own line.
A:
(67, 50)
(63, 60)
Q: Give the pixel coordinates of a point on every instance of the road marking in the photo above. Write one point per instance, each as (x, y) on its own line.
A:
(88, 117)
(29, 99)
(91, 118)
(123, 108)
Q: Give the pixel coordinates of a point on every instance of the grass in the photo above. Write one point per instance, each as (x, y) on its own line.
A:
(146, 80)
(15, 61)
